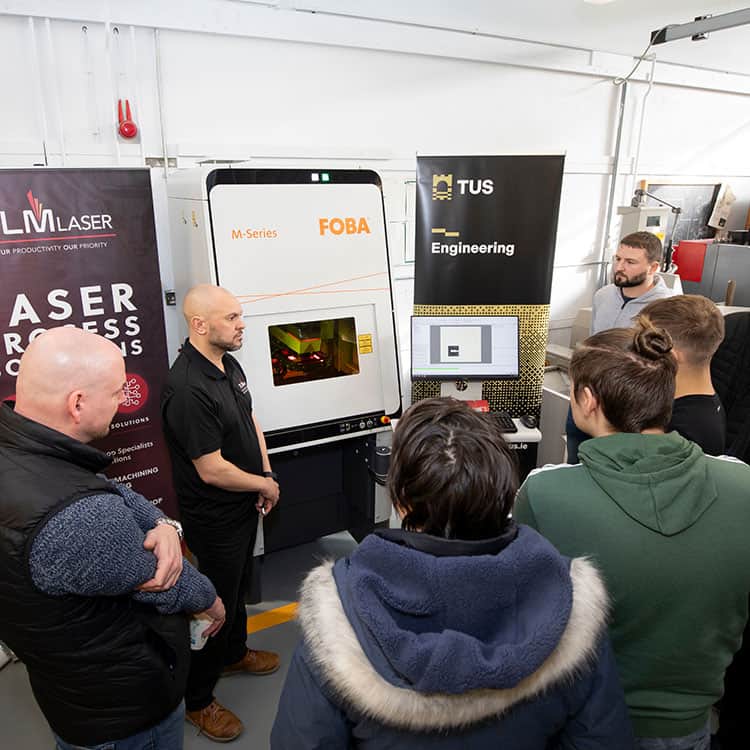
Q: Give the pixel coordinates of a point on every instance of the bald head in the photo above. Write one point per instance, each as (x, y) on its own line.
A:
(65, 372)
(214, 319)
(205, 301)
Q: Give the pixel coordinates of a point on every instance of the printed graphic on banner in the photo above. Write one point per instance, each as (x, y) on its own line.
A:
(486, 229)
(78, 247)
(457, 247)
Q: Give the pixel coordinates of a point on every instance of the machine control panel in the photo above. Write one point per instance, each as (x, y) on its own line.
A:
(350, 426)
(364, 423)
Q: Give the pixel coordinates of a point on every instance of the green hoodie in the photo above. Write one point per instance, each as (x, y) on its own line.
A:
(668, 527)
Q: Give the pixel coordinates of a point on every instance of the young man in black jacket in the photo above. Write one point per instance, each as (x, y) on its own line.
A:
(697, 328)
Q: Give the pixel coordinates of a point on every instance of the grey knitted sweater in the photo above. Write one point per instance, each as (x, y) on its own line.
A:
(94, 547)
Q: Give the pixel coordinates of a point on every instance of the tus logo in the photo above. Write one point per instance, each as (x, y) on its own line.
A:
(39, 220)
(347, 225)
(442, 187)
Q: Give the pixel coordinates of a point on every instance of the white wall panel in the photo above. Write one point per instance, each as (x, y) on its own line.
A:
(706, 133)
(572, 289)
(580, 226)
(20, 128)
(265, 92)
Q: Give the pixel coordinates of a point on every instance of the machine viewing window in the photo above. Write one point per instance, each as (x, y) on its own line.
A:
(313, 350)
(465, 347)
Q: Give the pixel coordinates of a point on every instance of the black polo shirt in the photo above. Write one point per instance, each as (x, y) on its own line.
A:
(204, 410)
(700, 418)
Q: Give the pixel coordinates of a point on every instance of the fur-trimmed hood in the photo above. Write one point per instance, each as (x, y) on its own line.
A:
(427, 643)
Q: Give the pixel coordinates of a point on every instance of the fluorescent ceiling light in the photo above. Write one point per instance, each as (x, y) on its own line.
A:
(598, 2)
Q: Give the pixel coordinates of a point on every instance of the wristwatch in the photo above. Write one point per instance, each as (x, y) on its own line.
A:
(271, 475)
(176, 525)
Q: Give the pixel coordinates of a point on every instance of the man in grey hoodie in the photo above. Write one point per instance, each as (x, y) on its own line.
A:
(618, 304)
(635, 284)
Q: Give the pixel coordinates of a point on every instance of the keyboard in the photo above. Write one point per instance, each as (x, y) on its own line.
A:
(503, 421)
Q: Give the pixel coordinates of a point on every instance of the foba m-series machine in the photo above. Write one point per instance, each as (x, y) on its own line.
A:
(305, 253)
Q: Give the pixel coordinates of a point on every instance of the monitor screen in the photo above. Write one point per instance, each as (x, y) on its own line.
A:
(448, 347)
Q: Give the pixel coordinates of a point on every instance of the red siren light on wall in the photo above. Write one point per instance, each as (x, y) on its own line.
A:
(126, 126)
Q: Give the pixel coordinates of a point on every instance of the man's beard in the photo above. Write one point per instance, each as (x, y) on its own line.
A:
(624, 282)
(225, 345)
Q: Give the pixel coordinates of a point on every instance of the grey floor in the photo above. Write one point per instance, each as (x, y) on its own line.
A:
(253, 699)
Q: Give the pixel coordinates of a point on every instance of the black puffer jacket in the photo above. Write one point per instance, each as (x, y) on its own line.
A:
(730, 372)
(101, 668)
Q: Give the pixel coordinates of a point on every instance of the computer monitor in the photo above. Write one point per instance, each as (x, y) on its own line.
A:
(467, 347)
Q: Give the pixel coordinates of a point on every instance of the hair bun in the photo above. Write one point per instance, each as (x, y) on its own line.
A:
(652, 342)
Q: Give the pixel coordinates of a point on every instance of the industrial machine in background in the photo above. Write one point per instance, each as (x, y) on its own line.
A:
(639, 217)
(305, 253)
(712, 268)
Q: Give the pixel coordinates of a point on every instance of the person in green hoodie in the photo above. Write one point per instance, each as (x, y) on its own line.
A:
(666, 524)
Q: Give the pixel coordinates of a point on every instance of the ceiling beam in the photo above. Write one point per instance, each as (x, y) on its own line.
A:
(701, 26)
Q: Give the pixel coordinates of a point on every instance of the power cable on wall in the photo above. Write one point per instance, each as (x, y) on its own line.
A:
(620, 79)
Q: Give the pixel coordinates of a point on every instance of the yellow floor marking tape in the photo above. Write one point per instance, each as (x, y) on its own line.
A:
(272, 617)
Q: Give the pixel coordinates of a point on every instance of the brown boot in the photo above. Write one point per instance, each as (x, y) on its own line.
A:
(216, 722)
(254, 662)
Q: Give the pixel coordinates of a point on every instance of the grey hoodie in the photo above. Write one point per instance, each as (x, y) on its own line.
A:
(610, 310)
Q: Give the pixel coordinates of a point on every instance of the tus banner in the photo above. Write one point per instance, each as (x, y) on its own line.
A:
(78, 247)
(486, 228)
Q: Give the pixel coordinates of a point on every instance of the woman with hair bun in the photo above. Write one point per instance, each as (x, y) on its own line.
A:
(665, 523)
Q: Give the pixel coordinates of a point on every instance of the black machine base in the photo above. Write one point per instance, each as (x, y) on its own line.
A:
(324, 489)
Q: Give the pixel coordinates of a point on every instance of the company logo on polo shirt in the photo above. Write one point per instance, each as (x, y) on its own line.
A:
(442, 187)
(242, 387)
(38, 219)
(468, 248)
(343, 225)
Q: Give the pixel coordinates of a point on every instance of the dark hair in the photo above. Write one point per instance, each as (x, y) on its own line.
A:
(694, 323)
(646, 241)
(631, 372)
(452, 473)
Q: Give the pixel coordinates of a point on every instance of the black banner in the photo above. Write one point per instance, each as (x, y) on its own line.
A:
(78, 247)
(486, 229)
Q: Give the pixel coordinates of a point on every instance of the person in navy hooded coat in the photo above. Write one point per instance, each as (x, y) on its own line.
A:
(460, 630)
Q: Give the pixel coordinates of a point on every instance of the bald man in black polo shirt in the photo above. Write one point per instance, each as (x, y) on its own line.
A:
(223, 479)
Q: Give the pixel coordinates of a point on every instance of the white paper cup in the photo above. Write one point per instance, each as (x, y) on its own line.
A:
(197, 627)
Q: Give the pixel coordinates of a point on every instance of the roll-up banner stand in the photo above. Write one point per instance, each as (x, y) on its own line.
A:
(486, 228)
(78, 247)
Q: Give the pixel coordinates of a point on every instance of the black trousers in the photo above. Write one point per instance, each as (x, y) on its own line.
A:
(224, 551)
(734, 733)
